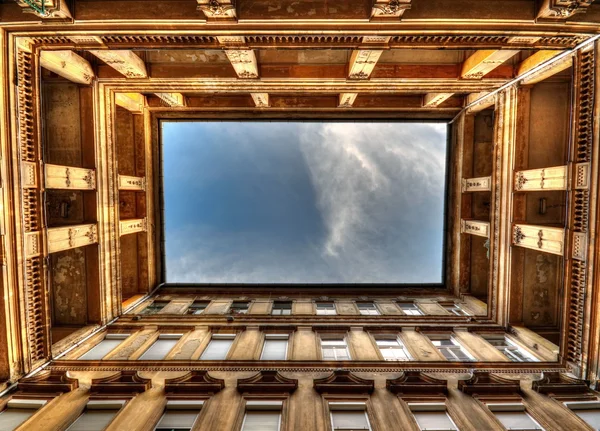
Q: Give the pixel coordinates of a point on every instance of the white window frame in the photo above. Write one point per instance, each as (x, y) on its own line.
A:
(161, 337)
(353, 406)
(341, 339)
(510, 346)
(143, 311)
(183, 405)
(23, 404)
(456, 346)
(191, 307)
(415, 310)
(432, 407)
(264, 405)
(107, 336)
(513, 408)
(273, 308)
(576, 406)
(371, 310)
(219, 337)
(112, 405)
(454, 308)
(401, 346)
(326, 311)
(278, 337)
(231, 308)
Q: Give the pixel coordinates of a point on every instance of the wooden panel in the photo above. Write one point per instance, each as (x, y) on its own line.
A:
(68, 177)
(542, 238)
(127, 182)
(132, 226)
(481, 184)
(475, 227)
(554, 178)
(65, 238)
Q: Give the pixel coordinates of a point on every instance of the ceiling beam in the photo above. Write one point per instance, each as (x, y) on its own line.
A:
(484, 104)
(261, 100)
(346, 100)
(432, 100)
(537, 59)
(175, 100)
(243, 62)
(123, 61)
(362, 63)
(68, 65)
(133, 102)
(484, 61)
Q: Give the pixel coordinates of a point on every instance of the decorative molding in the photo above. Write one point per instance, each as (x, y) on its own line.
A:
(343, 381)
(68, 177)
(32, 244)
(376, 39)
(554, 178)
(127, 383)
(267, 381)
(386, 9)
(47, 382)
(127, 182)
(127, 63)
(127, 227)
(480, 184)
(195, 382)
(68, 237)
(582, 176)
(218, 9)
(558, 384)
(417, 383)
(475, 227)
(523, 40)
(540, 238)
(29, 175)
(487, 384)
(579, 247)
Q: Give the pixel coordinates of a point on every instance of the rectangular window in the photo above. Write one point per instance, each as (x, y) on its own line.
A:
(155, 307)
(510, 349)
(393, 350)
(451, 349)
(281, 308)
(349, 416)
(239, 307)
(589, 411)
(262, 416)
(335, 349)
(432, 416)
(514, 417)
(197, 307)
(218, 347)
(161, 347)
(326, 309)
(410, 308)
(275, 347)
(179, 416)
(104, 347)
(97, 415)
(18, 411)
(454, 309)
(367, 309)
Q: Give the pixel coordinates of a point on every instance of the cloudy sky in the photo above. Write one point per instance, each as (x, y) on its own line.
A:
(304, 202)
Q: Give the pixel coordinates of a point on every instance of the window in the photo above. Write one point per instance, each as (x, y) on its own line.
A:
(239, 307)
(197, 307)
(454, 309)
(275, 347)
(589, 411)
(451, 349)
(393, 350)
(432, 416)
(155, 307)
(179, 416)
(281, 308)
(335, 349)
(104, 347)
(514, 417)
(97, 415)
(326, 309)
(161, 347)
(349, 416)
(262, 416)
(510, 349)
(18, 411)
(367, 309)
(218, 347)
(410, 308)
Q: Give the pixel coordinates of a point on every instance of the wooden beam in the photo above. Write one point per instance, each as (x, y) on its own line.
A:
(432, 100)
(127, 182)
(475, 227)
(243, 62)
(362, 63)
(554, 178)
(484, 61)
(480, 184)
(484, 104)
(68, 237)
(127, 227)
(175, 100)
(261, 100)
(133, 102)
(68, 65)
(540, 238)
(346, 100)
(123, 61)
(69, 177)
(537, 59)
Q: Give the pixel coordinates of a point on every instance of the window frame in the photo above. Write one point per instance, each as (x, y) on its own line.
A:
(266, 405)
(375, 308)
(234, 307)
(332, 338)
(402, 346)
(431, 407)
(206, 303)
(165, 336)
(33, 405)
(144, 310)
(107, 336)
(456, 346)
(454, 309)
(195, 405)
(415, 307)
(510, 345)
(352, 406)
(276, 337)
(112, 405)
(273, 308)
(575, 406)
(514, 407)
(333, 308)
(217, 336)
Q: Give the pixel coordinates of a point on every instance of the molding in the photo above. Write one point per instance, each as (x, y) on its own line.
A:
(267, 381)
(487, 384)
(343, 381)
(195, 382)
(417, 383)
(127, 383)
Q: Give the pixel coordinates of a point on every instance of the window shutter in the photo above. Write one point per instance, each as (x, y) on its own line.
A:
(101, 349)
(217, 349)
(93, 420)
(274, 350)
(159, 349)
(434, 421)
(516, 420)
(261, 421)
(177, 419)
(12, 418)
(349, 420)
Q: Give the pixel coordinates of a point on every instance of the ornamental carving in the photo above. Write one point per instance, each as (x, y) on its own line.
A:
(196, 382)
(518, 235)
(268, 381)
(563, 9)
(485, 383)
(520, 180)
(123, 383)
(48, 382)
(217, 9)
(343, 381)
(417, 383)
(390, 8)
(560, 384)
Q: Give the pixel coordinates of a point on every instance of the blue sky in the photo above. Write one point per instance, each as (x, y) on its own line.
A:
(304, 202)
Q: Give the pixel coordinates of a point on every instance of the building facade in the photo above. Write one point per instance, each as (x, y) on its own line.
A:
(93, 338)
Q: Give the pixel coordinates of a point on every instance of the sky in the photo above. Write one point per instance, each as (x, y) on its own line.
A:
(304, 202)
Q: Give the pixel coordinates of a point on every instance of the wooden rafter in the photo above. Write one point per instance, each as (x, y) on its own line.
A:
(123, 61)
(68, 65)
(484, 61)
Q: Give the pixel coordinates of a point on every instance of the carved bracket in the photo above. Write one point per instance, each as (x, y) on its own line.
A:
(195, 382)
(267, 381)
(343, 381)
(417, 383)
